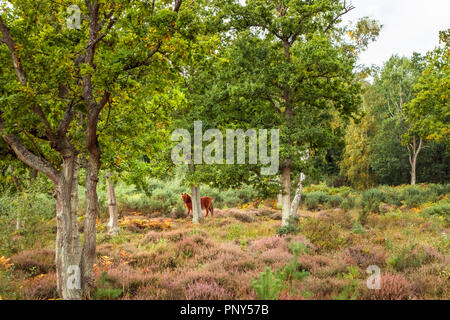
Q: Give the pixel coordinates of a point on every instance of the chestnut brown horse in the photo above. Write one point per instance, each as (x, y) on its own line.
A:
(206, 202)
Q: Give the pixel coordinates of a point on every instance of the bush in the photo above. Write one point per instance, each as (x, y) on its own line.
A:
(105, 289)
(393, 287)
(35, 261)
(334, 201)
(268, 286)
(290, 228)
(41, 287)
(409, 257)
(392, 196)
(371, 200)
(348, 202)
(439, 209)
(314, 199)
(415, 196)
(33, 209)
(202, 290)
(324, 235)
(350, 290)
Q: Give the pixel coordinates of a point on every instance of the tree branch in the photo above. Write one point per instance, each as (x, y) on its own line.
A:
(8, 40)
(28, 157)
(344, 12)
(146, 62)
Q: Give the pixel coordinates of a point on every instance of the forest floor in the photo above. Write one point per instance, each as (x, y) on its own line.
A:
(155, 257)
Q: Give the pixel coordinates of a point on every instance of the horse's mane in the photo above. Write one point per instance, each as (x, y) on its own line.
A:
(187, 197)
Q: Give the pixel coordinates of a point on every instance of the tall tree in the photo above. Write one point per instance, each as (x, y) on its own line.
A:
(395, 84)
(56, 82)
(429, 111)
(356, 164)
(289, 67)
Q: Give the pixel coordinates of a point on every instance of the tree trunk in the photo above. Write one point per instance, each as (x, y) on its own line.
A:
(196, 204)
(68, 245)
(414, 151)
(298, 194)
(413, 173)
(279, 201)
(286, 198)
(113, 228)
(90, 235)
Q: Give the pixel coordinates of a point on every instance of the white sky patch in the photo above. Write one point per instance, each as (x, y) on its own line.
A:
(408, 26)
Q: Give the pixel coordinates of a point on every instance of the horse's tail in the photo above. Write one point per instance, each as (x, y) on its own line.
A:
(211, 208)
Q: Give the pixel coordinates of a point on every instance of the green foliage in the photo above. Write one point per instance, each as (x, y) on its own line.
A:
(356, 164)
(389, 159)
(315, 196)
(325, 236)
(358, 228)
(314, 199)
(33, 209)
(414, 196)
(443, 243)
(429, 109)
(371, 200)
(439, 209)
(348, 203)
(350, 291)
(290, 228)
(411, 196)
(105, 289)
(268, 286)
(376, 145)
(334, 201)
(292, 270)
(407, 257)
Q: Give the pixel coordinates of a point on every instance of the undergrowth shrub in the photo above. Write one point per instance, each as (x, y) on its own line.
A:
(314, 199)
(290, 228)
(438, 209)
(393, 287)
(350, 290)
(408, 257)
(105, 289)
(325, 236)
(334, 201)
(202, 290)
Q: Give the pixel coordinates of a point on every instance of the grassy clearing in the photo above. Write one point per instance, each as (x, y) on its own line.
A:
(237, 254)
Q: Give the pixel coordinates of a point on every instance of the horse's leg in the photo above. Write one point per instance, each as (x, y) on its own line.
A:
(189, 212)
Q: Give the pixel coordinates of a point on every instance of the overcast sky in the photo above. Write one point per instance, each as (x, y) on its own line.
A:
(409, 25)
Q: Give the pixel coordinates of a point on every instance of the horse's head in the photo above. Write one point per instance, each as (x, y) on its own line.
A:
(185, 197)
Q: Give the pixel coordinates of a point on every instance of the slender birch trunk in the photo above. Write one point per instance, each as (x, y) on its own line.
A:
(286, 197)
(113, 228)
(197, 215)
(298, 194)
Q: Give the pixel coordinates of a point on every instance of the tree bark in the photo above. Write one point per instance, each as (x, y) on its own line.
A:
(90, 235)
(414, 151)
(298, 194)
(113, 228)
(280, 201)
(68, 245)
(196, 205)
(286, 197)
